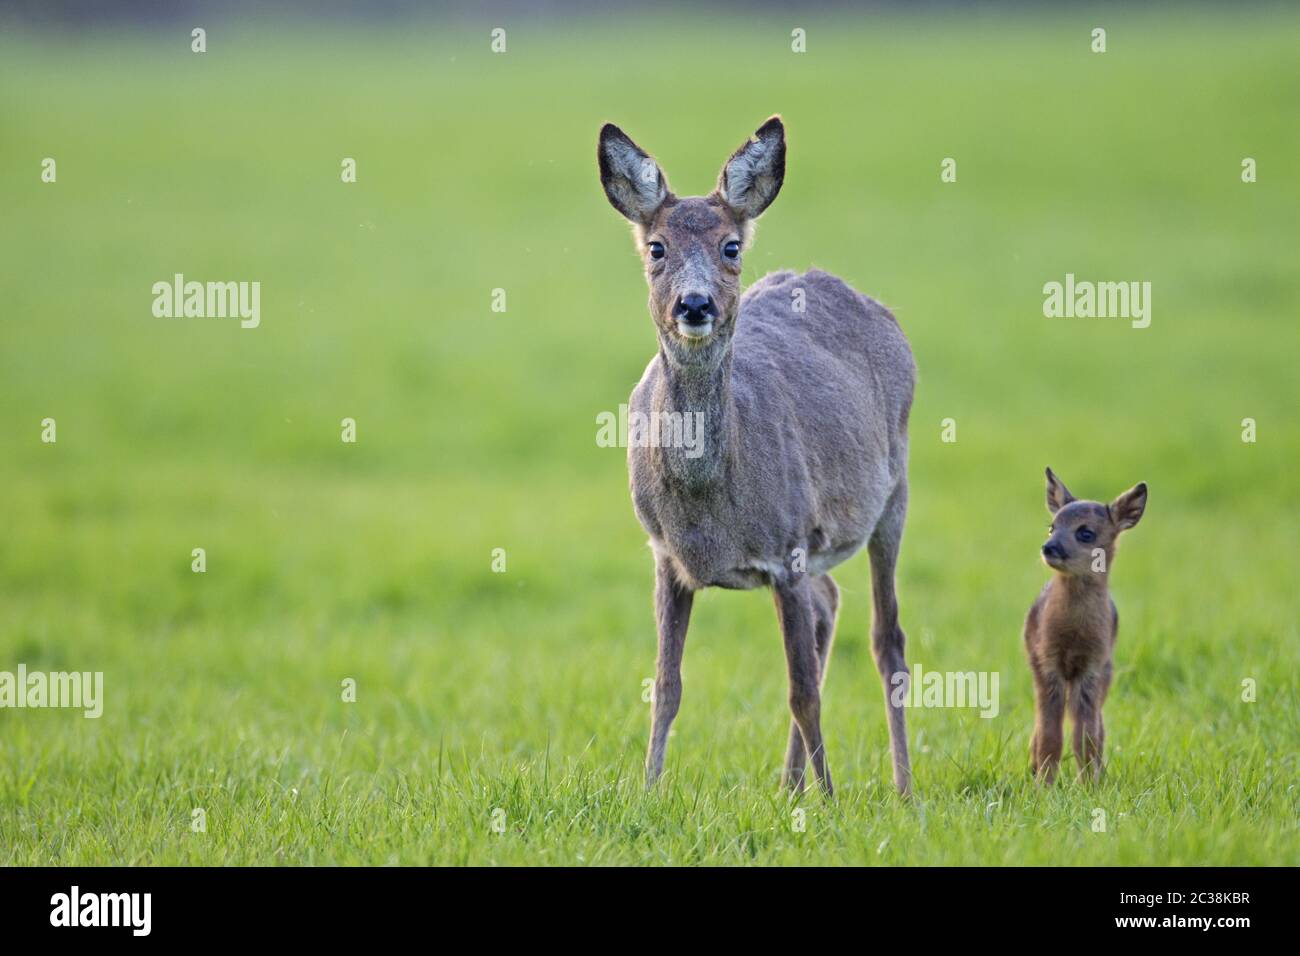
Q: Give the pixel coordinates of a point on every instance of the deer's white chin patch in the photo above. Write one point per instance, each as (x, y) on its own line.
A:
(697, 330)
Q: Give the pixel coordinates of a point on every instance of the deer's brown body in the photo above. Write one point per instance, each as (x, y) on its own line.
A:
(1070, 630)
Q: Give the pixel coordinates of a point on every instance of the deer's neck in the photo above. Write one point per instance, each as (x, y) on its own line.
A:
(1080, 594)
(695, 396)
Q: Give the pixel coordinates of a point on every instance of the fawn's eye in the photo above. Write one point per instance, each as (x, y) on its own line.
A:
(656, 250)
(1085, 535)
(731, 249)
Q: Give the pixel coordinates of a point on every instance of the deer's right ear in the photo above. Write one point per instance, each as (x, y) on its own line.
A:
(1058, 496)
(633, 181)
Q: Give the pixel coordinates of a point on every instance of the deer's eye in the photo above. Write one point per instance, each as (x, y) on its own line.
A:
(1085, 536)
(731, 249)
(656, 250)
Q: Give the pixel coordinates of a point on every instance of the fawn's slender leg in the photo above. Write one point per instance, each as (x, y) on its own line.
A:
(826, 606)
(1100, 737)
(1103, 688)
(1085, 712)
(672, 615)
(794, 605)
(1049, 713)
(887, 637)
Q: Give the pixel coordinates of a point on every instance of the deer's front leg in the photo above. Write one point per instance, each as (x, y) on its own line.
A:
(672, 615)
(794, 605)
(1085, 710)
(1049, 713)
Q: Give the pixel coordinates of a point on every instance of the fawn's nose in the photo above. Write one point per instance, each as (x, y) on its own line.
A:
(1053, 550)
(695, 307)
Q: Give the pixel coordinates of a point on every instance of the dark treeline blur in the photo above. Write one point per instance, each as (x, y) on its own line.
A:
(90, 13)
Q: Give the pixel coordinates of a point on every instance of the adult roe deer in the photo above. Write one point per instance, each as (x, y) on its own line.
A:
(804, 386)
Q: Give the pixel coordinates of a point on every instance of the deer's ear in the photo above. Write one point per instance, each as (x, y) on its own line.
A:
(633, 181)
(753, 176)
(1058, 496)
(1127, 509)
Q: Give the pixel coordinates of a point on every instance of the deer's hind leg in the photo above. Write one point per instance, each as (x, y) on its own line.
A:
(795, 607)
(826, 608)
(887, 637)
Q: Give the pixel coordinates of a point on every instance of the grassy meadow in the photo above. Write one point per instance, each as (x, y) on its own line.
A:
(521, 691)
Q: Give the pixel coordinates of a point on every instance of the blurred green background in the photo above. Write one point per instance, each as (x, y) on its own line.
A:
(522, 691)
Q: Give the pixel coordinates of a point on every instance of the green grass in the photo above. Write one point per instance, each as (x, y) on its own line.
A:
(522, 691)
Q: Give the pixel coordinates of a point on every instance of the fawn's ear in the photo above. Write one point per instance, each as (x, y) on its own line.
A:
(1126, 510)
(753, 176)
(1058, 496)
(633, 181)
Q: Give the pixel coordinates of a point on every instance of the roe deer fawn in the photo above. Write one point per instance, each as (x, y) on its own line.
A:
(804, 387)
(1070, 630)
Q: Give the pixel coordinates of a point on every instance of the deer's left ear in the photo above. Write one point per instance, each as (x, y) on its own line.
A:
(1127, 509)
(753, 176)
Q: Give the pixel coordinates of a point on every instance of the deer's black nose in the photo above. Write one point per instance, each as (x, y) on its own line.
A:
(695, 307)
(1053, 550)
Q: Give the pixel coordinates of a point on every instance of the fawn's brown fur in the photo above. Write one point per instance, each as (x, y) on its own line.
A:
(1070, 630)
